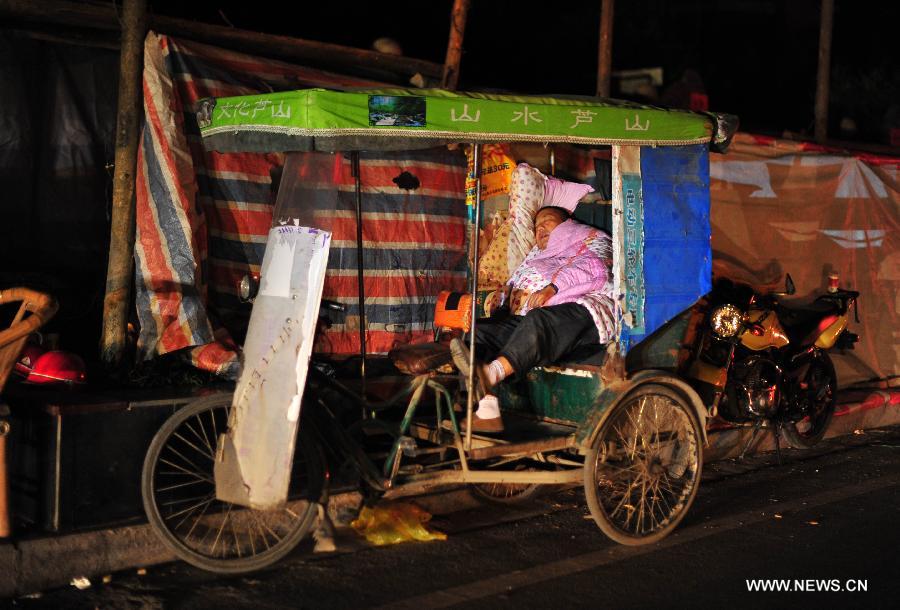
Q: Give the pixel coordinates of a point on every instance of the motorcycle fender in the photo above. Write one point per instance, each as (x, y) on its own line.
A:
(708, 373)
(828, 337)
(614, 393)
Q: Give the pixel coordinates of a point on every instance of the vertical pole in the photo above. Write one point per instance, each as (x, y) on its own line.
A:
(120, 268)
(5, 528)
(823, 76)
(476, 234)
(354, 161)
(604, 59)
(455, 44)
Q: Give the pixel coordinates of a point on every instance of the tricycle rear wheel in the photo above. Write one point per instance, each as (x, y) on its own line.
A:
(507, 494)
(643, 469)
(179, 493)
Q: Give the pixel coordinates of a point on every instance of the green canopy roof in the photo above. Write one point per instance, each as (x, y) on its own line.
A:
(392, 119)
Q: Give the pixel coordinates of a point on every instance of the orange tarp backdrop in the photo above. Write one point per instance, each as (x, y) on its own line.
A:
(787, 207)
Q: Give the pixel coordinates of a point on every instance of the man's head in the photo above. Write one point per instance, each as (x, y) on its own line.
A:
(545, 221)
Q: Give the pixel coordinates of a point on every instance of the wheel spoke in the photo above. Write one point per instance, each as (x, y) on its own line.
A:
(195, 447)
(176, 452)
(653, 436)
(203, 438)
(185, 470)
(179, 485)
(221, 529)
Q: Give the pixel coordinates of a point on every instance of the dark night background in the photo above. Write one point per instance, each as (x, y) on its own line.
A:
(756, 59)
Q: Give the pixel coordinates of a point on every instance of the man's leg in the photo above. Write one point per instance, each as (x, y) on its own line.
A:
(492, 334)
(547, 334)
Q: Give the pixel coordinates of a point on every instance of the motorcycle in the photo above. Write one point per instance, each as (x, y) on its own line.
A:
(760, 359)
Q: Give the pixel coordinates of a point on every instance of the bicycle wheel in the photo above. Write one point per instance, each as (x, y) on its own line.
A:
(179, 496)
(643, 469)
(508, 494)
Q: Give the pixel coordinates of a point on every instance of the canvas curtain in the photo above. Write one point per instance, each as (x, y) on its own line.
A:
(784, 207)
(203, 217)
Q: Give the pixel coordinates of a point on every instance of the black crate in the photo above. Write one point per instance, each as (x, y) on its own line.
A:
(75, 460)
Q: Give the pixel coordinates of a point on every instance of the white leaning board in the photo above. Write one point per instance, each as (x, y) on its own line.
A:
(253, 462)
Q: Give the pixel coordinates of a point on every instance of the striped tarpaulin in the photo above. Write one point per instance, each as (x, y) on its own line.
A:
(202, 218)
(413, 239)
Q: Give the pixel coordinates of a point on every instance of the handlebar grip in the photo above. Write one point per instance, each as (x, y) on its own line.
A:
(333, 305)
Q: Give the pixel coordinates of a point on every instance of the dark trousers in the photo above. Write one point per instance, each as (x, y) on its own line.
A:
(540, 337)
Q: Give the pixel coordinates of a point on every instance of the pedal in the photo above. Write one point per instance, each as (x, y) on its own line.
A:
(408, 446)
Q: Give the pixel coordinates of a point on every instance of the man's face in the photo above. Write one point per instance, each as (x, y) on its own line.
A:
(544, 222)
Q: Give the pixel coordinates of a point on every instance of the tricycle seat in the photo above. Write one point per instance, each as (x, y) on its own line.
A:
(421, 358)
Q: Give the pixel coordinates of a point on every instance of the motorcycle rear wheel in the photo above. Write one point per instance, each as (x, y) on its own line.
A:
(821, 388)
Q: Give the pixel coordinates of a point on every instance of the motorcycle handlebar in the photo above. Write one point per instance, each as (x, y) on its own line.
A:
(333, 305)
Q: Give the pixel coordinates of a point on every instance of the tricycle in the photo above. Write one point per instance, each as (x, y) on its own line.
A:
(233, 482)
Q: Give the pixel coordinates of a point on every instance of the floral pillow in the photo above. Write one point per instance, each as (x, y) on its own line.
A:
(526, 196)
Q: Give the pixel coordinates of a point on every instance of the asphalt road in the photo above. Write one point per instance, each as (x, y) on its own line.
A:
(827, 518)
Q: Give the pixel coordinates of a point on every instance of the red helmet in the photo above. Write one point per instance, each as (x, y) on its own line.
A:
(57, 367)
(30, 354)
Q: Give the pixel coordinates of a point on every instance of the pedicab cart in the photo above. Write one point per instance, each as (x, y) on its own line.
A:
(234, 482)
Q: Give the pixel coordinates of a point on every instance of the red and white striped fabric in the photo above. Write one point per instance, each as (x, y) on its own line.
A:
(202, 217)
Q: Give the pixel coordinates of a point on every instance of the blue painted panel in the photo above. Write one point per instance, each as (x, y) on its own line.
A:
(677, 254)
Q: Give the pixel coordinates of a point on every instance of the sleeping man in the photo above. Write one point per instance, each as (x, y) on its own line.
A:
(557, 300)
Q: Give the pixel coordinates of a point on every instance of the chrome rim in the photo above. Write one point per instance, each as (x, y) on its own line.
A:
(184, 496)
(647, 464)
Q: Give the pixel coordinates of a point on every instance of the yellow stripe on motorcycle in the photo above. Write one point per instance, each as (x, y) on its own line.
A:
(708, 373)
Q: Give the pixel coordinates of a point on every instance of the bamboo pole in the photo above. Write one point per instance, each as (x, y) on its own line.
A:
(450, 77)
(823, 76)
(604, 58)
(104, 17)
(120, 269)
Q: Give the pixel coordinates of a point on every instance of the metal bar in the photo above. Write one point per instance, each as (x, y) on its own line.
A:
(5, 527)
(604, 58)
(354, 161)
(823, 75)
(417, 483)
(421, 382)
(57, 474)
(546, 444)
(450, 76)
(120, 269)
(476, 234)
(457, 441)
(103, 16)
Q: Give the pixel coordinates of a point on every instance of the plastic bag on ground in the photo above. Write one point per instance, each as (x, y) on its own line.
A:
(395, 522)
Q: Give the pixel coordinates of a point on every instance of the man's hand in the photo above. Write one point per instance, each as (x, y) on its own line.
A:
(493, 301)
(537, 299)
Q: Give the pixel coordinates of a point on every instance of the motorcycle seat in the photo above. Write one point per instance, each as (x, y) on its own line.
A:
(802, 322)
